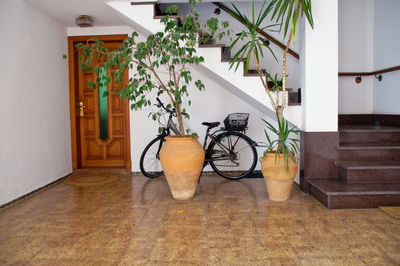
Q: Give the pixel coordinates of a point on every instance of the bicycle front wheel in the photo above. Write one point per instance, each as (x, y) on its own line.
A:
(232, 155)
(150, 164)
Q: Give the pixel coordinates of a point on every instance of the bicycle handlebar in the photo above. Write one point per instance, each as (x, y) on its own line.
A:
(160, 104)
(173, 111)
(159, 101)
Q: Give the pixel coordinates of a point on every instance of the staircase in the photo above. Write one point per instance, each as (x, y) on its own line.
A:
(368, 156)
(294, 97)
(368, 169)
(144, 17)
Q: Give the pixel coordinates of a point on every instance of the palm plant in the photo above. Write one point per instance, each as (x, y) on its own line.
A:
(284, 144)
(285, 13)
(274, 82)
(254, 43)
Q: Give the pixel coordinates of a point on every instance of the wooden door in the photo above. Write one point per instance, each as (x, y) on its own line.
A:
(102, 123)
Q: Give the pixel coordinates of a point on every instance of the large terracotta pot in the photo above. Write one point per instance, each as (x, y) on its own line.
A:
(278, 176)
(182, 160)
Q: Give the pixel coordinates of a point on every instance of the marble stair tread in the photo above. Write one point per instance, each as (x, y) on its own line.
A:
(164, 15)
(225, 57)
(360, 165)
(143, 3)
(210, 45)
(369, 146)
(254, 72)
(334, 186)
(368, 128)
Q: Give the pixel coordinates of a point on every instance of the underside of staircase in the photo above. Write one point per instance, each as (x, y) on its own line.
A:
(368, 168)
(294, 96)
(145, 17)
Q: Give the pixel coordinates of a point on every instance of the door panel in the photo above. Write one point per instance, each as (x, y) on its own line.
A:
(104, 127)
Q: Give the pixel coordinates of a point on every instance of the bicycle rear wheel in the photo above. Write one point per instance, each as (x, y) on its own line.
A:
(232, 155)
(150, 164)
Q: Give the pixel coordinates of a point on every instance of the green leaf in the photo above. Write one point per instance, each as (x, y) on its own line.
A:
(194, 135)
(172, 9)
(174, 48)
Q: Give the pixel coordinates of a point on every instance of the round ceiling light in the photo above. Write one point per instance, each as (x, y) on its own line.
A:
(84, 21)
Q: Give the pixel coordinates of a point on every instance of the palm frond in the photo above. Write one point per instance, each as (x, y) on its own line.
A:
(285, 12)
(252, 33)
(283, 144)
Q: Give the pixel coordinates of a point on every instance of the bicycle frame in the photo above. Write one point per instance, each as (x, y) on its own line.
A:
(223, 148)
(171, 126)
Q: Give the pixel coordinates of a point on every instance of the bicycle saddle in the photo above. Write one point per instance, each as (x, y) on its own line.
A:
(210, 124)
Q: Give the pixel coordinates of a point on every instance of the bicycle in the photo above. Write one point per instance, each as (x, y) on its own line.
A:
(230, 153)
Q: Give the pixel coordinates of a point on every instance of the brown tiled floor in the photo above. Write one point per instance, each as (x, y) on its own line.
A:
(135, 221)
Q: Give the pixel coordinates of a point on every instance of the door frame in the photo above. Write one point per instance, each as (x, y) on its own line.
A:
(73, 66)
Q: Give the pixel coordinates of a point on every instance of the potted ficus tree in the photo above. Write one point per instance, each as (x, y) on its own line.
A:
(280, 161)
(160, 66)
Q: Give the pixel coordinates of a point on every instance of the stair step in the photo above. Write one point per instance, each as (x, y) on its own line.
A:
(210, 44)
(369, 134)
(143, 3)
(205, 45)
(369, 171)
(336, 194)
(164, 15)
(295, 97)
(226, 55)
(140, 16)
(254, 72)
(369, 152)
(369, 146)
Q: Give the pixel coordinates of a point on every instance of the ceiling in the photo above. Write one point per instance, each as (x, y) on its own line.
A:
(65, 11)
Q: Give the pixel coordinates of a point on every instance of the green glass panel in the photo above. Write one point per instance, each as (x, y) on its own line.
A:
(103, 104)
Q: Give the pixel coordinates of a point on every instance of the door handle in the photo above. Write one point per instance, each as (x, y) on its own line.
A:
(81, 107)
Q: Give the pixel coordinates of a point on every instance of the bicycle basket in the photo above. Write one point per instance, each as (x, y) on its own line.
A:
(236, 121)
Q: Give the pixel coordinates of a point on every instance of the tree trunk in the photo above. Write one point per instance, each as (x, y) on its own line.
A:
(180, 120)
(261, 75)
(279, 111)
(283, 104)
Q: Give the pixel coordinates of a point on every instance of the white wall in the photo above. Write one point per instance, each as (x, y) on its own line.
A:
(250, 88)
(356, 24)
(213, 104)
(77, 31)
(368, 41)
(319, 68)
(268, 62)
(35, 142)
(386, 54)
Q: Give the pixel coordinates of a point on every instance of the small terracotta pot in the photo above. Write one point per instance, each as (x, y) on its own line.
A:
(182, 160)
(278, 176)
